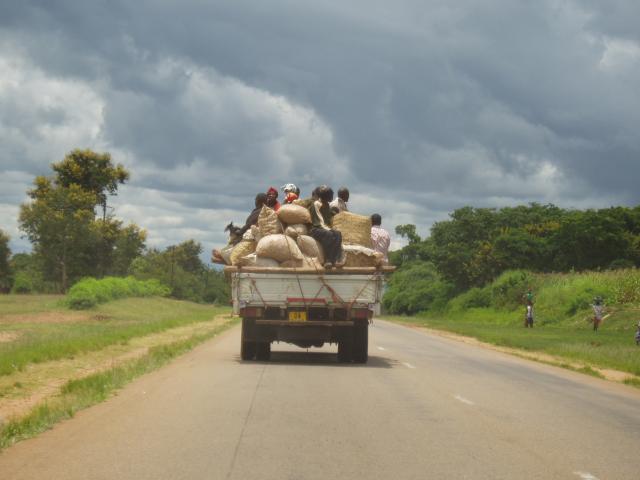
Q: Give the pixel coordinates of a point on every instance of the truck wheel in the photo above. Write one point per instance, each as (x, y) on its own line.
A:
(247, 347)
(360, 342)
(263, 351)
(247, 350)
(345, 346)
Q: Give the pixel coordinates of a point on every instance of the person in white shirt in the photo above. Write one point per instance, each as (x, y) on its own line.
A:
(340, 203)
(380, 239)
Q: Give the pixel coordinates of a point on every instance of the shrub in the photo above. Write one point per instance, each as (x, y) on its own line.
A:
(474, 298)
(508, 288)
(22, 283)
(89, 292)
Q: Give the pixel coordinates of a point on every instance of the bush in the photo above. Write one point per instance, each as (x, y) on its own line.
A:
(22, 283)
(508, 288)
(89, 292)
(474, 298)
(416, 288)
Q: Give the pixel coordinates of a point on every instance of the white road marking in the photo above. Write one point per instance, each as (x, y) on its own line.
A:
(408, 365)
(381, 348)
(586, 475)
(463, 400)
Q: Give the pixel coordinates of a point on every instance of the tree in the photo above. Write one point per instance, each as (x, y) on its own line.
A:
(5, 253)
(58, 222)
(93, 172)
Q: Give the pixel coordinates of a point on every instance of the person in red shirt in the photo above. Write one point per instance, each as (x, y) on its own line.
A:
(272, 199)
(291, 193)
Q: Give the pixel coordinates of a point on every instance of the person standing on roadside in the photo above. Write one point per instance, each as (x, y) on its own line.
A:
(638, 335)
(380, 239)
(340, 203)
(598, 312)
(528, 316)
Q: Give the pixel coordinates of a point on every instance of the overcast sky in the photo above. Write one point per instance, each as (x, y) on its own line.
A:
(419, 107)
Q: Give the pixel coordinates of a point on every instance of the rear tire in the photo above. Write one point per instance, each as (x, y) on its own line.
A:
(361, 342)
(247, 347)
(263, 351)
(345, 346)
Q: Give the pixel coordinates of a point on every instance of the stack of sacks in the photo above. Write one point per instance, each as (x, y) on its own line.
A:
(356, 240)
(270, 247)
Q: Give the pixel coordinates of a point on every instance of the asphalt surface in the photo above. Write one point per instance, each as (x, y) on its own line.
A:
(423, 407)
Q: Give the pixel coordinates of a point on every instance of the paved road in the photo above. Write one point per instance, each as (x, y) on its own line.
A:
(423, 407)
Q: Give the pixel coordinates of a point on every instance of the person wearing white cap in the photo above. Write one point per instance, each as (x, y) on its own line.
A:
(291, 192)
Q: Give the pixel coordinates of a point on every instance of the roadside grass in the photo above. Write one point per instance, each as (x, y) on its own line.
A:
(111, 323)
(16, 304)
(611, 348)
(79, 394)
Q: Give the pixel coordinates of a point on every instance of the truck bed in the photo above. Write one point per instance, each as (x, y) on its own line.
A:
(287, 287)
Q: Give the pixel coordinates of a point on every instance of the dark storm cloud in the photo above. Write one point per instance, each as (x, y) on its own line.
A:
(440, 103)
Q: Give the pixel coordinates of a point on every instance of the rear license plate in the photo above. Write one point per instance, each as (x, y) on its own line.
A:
(297, 316)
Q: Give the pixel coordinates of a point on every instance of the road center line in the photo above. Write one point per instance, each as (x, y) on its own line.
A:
(408, 365)
(463, 400)
(586, 475)
(381, 348)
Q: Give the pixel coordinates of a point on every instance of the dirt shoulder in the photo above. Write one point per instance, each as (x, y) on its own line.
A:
(607, 374)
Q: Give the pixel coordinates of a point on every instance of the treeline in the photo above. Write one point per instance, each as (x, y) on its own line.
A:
(74, 235)
(476, 245)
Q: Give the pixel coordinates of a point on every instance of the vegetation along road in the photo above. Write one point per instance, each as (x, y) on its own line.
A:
(423, 407)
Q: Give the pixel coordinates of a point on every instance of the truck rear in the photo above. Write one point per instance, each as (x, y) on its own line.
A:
(307, 308)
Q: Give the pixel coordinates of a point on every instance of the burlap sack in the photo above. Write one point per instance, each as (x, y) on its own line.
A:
(358, 256)
(297, 229)
(304, 202)
(268, 222)
(292, 264)
(253, 260)
(307, 263)
(292, 214)
(242, 249)
(310, 247)
(355, 229)
(255, 233)
(225, 253)
(279, 247)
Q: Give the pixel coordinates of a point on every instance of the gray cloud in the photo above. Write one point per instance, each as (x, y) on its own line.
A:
(420, 107)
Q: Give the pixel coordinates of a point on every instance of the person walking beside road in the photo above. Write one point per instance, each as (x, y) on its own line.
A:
(321, 218)
(598, 312)
(340, 203)
(528, 316)
(380, 239)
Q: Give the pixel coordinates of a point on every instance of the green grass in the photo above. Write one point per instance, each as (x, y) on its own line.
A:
(612, 348)
(109, 324)
(89, 292)
(17, 304)
(79, 394)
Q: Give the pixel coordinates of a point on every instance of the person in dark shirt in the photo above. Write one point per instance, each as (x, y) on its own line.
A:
(252, 219)
(321, 218)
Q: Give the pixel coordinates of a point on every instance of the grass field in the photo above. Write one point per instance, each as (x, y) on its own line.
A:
(39, 328)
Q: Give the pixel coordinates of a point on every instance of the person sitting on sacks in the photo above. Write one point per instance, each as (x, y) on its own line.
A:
(291, 193)
(321, 216)
(272, 199)
(380, 239)
(340, 203)
(236, 234)
(252, 219)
